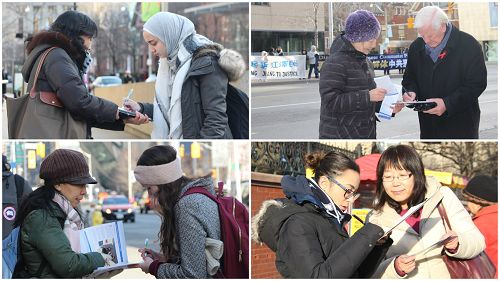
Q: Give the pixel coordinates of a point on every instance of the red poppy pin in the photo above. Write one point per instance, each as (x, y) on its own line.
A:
(442, 55)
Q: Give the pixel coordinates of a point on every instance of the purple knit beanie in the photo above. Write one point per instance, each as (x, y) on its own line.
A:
(361, 26)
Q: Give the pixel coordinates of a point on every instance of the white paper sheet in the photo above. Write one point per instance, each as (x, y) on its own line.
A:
(392, 96)
(410, 212)
(439, 243)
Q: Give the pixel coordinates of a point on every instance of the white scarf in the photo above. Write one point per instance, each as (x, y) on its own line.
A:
(73, 223)
(173, 30)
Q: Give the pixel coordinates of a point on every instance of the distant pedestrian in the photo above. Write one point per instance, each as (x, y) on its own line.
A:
(262, 67)
(14, 188)
(304, 53)
(187, 221)
(272, 52)
(279, 51)
(127, 78)
(50, 219)
(387, 69)
(313, 55)
(481, 194)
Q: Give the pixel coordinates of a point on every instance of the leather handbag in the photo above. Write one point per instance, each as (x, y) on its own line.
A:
(41, 115)
(479, 267)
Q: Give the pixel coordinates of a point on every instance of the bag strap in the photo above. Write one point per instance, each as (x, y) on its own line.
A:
(444, 216)
(200, 190)
(19, 188)
(39, 67)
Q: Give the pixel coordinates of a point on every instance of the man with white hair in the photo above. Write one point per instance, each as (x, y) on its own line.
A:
(445, 66)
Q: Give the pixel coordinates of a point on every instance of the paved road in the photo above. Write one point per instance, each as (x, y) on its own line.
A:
(145, 226)
(291, 111)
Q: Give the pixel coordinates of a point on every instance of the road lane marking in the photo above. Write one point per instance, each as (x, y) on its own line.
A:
(285, 105)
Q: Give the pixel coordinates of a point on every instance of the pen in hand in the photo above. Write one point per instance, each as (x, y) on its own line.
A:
(130, 94)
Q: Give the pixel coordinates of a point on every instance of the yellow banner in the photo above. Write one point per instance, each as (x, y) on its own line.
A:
(442, 177)
(355, 224)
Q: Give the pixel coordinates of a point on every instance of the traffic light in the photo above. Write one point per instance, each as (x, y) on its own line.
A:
(410, 22)
(31, 159)
(182, 150)
(195, 150)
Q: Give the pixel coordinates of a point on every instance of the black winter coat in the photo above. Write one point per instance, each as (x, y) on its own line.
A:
(310, 244)
(203, 99)
(60, 74)
(459, 78)
(344, 85)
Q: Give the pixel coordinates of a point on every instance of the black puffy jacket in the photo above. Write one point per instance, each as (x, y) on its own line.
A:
(346, 79)
(311, 244)
(61, 75)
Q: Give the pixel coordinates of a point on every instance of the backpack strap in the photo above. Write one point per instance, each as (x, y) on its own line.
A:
(19, 188)
(201, 190)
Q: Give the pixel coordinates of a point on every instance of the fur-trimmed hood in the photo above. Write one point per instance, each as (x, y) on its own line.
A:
(44, 40)
(229, 60)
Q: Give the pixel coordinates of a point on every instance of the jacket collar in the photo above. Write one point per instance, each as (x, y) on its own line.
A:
(452, 41)
(488, 210)
(200, 66)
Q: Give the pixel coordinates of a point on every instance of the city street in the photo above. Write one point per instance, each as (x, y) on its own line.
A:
(282, 110)
(145, 226)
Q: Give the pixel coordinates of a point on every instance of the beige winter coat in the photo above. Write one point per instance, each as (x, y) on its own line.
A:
(408, 241)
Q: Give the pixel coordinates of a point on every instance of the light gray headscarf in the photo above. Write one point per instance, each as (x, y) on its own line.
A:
(180, 39)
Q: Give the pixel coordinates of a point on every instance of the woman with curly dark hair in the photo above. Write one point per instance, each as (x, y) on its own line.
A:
(189, 222)
(307, 229)
(62, 73)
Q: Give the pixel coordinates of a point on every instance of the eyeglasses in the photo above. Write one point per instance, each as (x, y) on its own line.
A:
(399, 177)
(348, 192)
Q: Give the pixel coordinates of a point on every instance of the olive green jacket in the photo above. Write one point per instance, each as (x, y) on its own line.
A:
(43, 241)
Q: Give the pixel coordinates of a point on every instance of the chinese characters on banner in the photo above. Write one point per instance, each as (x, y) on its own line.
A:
(278, 67)
(392, 61)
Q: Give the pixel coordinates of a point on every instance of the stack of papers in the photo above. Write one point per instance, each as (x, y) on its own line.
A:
(391, 97)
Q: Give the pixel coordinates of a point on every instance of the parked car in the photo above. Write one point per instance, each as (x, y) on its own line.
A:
(117, 207)
(106, 81)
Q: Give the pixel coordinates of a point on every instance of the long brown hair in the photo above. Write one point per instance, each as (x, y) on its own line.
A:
(167, 196)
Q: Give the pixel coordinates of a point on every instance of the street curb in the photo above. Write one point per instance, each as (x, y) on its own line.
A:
(284, 82)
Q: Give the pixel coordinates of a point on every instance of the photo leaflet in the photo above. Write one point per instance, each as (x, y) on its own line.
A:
(410, 212)
(109, 239)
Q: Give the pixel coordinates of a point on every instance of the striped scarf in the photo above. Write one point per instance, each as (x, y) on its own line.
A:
(73, 223)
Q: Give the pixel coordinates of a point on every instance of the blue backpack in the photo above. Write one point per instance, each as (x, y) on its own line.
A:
(11, 253)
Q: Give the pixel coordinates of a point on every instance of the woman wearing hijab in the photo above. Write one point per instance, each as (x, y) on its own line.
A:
(307, 229)
(63, 70)
(191, 85)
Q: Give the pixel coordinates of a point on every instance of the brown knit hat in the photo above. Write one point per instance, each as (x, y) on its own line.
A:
(66, 166)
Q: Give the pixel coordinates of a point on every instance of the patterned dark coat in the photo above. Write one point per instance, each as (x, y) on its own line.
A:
(346, 109)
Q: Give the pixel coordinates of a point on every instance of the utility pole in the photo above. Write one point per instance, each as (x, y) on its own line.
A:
(330, 25)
